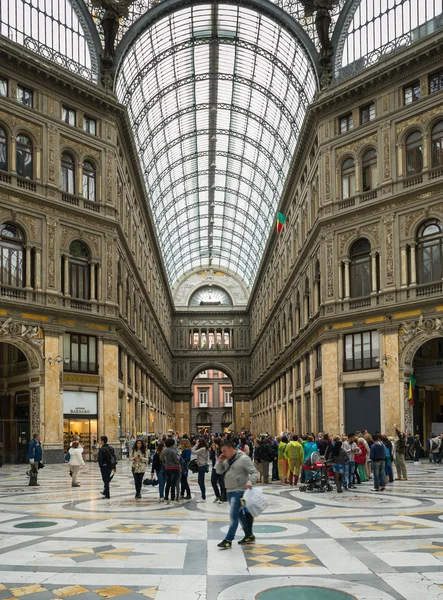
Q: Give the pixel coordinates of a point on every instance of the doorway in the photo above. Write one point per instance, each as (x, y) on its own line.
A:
(85, 429)
(14, 404)
(428, 392)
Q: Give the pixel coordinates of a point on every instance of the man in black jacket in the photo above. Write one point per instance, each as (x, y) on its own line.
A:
(265, 454)
(107, 463)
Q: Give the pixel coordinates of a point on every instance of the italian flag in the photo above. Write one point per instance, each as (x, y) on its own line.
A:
(412, 381)
(280, 221)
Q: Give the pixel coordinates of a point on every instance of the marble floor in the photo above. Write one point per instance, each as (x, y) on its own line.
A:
(58, 542)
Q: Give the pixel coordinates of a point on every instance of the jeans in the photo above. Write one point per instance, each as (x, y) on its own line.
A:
(216, 481)
(379, 474)
(389, 473)
(138, 480)
(161, 483)
(172, 476)
(237, 513)
(201, 480)
(185, 486)
(106, 476)
(348, 479)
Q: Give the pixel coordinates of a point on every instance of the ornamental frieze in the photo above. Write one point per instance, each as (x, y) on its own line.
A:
(410, 329)
(418, 119)
(17, 122)
(355, 146)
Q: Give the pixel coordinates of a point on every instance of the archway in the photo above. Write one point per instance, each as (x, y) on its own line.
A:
(17, 400)
(212, 402)
(428, 390)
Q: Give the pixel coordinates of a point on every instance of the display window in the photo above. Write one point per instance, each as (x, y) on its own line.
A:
(86, 429)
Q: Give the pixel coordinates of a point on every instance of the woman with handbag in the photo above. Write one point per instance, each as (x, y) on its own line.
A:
(140, 460)
(202, 456)
(185, 457)
(157, 468)
(75, 461)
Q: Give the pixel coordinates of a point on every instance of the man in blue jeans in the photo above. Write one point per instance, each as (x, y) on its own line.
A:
(240, 474)
(378, 455)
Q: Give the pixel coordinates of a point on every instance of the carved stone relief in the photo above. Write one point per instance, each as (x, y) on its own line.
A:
(389, 248)
(81, 148)
(109, 161)
(52, 132)
(110, 242)
(411, 329)
(355, 146)
(328, 174)
(51, 236)
(386, 152)
(418, 119)
(18, 122)
(34, 413)
(408, 410)
(26, 337)
(330, 264)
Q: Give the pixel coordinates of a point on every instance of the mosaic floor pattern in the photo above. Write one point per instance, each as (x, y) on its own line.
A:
(61, 542)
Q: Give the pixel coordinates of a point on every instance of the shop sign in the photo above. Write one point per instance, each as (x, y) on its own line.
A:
(79, 403)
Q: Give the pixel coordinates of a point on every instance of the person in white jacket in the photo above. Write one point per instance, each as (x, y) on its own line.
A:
(75, 461)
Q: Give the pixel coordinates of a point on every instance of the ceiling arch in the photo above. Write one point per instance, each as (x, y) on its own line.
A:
(216, 94)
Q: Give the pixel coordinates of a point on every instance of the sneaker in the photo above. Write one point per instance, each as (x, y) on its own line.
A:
(382, 489)
(103, 493)
(220, 502)
(352, 487)
(225, 544)
(161, 500)
(247, 540)
(167, 502)
(339, 491)
(75, 485)
(417, 462)
(375, 490)
(177, 501)
(188, 497)
(201, 501)
(216, 499)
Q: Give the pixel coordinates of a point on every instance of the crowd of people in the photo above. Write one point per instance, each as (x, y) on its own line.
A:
(237, 462)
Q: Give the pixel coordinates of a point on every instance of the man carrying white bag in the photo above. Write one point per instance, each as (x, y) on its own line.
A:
(240, 475)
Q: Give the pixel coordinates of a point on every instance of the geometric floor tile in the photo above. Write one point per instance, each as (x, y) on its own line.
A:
(273, 556)
(385, 525)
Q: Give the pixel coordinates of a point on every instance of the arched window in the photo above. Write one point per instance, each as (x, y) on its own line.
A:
(23, 153)
(369, 170)
(3, 150)
(89, 189)
(414, 154)
(348, 178)
(436, 145)
(67, 173)
(430, 252)
(360, 268)
(12, 256)
(79, 270)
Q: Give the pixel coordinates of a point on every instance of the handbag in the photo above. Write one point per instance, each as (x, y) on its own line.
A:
(193, 467)
(67, 456)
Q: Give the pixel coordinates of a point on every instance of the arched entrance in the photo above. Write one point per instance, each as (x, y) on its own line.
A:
(428, 390)
(19, 401)
(212, 403)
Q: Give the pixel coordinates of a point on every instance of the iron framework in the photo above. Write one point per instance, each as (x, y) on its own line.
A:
(217, 95)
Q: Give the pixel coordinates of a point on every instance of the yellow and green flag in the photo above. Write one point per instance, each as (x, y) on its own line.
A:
(280, 221)
(412, 381)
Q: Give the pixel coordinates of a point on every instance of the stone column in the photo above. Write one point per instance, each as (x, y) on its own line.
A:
(330, 375)
(374, 289)
(413, 247)
(391, 398)
(340, 280)
(110, 391)
(66, 275)
(347, 282)
(425, 152)
(52, 434)
(99, 282)
(38, 269)
(404, 267)
(316, 306)
(92, 281)
(28, 267)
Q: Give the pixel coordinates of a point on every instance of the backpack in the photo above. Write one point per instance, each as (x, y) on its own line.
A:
(110, 457)
(434, 445)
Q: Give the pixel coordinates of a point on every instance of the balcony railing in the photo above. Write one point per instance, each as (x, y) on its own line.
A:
(5, 177)
(412, 181)
(360, 303)
(81, 305)
(435, 173)
(12, 292)
(26, 184)
(429, 290)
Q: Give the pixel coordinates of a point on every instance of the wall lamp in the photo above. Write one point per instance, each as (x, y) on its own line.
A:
(58, 359)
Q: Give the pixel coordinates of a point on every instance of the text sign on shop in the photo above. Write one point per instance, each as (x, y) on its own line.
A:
(79, 403)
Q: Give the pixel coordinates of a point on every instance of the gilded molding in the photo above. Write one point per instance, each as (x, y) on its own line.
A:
(355, 146)
(81, 148)
(18, 122)
(421, 119)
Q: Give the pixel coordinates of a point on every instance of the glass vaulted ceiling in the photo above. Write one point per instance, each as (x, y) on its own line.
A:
(216, 95)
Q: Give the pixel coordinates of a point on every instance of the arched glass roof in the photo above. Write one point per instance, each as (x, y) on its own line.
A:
(374, 29)
(216, 95)
(55, 29)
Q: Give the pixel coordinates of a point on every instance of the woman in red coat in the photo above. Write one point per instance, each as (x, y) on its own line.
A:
(360, 459)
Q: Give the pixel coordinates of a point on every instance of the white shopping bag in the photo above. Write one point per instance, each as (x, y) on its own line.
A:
(255, 501)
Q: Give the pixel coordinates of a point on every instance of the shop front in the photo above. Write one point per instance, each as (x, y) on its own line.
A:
(80, 419)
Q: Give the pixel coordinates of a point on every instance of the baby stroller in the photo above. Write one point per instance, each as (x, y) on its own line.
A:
(314, 475)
